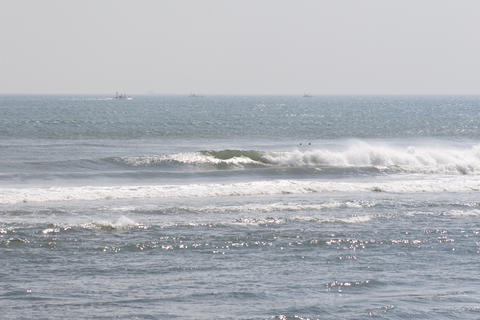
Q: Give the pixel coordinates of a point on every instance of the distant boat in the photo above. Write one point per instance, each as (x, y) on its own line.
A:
(193, 95)
(122, 96)
(306, 95)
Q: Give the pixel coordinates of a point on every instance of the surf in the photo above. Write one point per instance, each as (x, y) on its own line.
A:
(361, 155)
(251, 188)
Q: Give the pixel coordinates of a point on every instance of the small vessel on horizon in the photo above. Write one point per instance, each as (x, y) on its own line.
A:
(121, 96)
(306, 95)
(194, 95)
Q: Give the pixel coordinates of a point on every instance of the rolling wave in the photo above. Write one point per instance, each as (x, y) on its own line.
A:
(222, 159)
(356, 155)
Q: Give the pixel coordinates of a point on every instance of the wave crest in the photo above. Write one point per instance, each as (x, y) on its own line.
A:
(221, 159)
(355, 155)
(411, 159)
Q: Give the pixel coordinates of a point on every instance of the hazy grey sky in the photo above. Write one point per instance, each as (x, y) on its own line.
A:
(236, 47)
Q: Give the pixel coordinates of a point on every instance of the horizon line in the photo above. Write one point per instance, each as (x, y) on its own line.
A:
(242, 94)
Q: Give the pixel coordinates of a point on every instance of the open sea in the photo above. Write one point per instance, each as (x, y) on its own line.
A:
(240, 207)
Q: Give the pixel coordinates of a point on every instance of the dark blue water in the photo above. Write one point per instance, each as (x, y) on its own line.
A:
(254, 207)
(258, 117)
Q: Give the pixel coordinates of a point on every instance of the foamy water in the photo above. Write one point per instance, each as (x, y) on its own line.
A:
(256, 188)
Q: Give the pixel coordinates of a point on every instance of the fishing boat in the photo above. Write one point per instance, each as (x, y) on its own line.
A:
(121, 96)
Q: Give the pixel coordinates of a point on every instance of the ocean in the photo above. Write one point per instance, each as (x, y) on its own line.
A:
(239, 207)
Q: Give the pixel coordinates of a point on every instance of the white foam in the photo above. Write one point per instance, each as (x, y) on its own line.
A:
(462, 213)
(279, 206)
(51, 230)
(191, 158)
(355, 219)
(268, 187)
(277, 220)
(414, 159)
(122, 223)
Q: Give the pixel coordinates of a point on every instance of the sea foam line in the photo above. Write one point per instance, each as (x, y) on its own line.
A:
(269, 187)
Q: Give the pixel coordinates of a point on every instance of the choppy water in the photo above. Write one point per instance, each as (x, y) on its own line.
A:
(239, 207)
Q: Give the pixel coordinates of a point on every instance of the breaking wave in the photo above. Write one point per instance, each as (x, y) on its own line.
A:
(358, 154)
(222, 159)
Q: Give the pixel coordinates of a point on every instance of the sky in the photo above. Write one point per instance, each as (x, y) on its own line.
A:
(240, 47)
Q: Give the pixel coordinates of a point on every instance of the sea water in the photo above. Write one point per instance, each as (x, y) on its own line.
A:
(240, 207)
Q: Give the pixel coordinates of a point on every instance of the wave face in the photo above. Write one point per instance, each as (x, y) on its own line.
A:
(221, 159)
(356, 155)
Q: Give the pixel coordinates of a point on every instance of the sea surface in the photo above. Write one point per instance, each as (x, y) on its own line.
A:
(240, 207)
